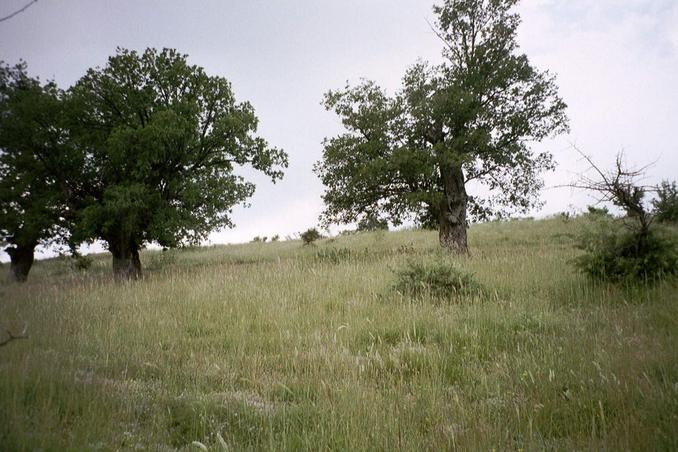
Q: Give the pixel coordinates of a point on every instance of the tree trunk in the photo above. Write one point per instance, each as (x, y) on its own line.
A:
(453, 224)
(126, 263)
(21, 261)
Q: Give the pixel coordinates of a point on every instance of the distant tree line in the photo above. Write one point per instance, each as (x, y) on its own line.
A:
(142, 150)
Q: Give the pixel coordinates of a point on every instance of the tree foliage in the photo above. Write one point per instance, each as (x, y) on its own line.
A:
(33, 165)
(309, 236)
(471, 118)
(666, 203)
(371, 223)
(161, 141)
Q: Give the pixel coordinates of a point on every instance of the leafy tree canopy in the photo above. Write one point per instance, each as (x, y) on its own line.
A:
(33, 160)
(161, 141)
(666, 203)
(471, 118)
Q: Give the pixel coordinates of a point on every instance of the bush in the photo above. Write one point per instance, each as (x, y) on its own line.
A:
(666, 203)
(616, 253)
(437, 279)
(82, 263)
(632, 248)
(593, 211)
(372, 223)
(310, 235)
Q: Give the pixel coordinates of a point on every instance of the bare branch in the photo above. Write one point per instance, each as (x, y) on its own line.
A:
(619, 186)
(441, 37)
(2, 19)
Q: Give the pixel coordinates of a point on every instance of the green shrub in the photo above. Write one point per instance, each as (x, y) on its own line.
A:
(372, 223)
(80, 262)
(310, 235)
(666, 203)
(437, 279)
(616, 253)
(594, 211)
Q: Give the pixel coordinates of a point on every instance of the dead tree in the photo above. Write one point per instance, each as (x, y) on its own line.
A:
(620, 186)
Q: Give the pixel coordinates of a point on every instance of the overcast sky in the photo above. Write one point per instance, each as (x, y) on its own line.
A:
(616, 62)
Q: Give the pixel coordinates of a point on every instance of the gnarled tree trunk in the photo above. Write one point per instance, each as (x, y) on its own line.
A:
(452, 232)
(21, 261)
(126, 263)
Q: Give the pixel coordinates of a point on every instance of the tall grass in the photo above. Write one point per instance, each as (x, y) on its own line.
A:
(279, 346)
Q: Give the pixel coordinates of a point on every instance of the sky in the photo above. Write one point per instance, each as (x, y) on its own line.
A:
(616, 63)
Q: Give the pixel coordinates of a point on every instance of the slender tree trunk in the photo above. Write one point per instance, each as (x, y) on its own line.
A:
(126, 263)
(21, 261)
(452, 232)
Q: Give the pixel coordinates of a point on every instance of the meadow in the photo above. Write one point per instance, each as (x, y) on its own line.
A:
(279, 346)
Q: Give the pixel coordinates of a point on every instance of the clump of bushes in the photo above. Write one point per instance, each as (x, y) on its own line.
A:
(614, 252)
(598, 212)
(310, 235)
(372, 223)
(81, 262)
(75, 260)
(666, 203)
(632, 248)
(565, 216)
(437, 279)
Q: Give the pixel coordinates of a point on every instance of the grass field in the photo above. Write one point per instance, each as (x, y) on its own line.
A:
(279, 346)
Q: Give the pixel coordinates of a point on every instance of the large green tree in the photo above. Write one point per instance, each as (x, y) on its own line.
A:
(33, 150)
(161, 141)
(471, 118)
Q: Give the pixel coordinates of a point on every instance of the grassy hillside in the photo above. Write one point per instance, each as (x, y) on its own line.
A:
(279, 346)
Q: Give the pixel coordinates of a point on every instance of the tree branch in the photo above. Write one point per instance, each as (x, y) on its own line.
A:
(442, 38)
(2, 19)
(618, 186)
